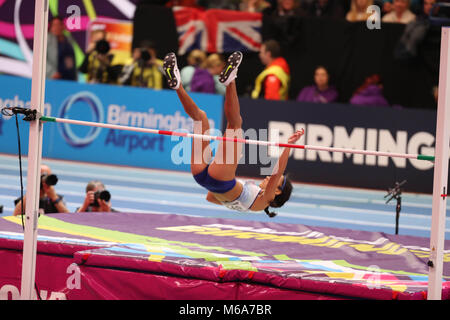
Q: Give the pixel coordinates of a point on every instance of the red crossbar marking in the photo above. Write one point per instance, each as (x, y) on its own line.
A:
(291, 146)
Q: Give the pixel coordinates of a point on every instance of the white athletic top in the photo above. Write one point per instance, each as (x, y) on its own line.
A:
(246, 199)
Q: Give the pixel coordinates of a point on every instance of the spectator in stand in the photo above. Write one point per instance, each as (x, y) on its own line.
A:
(415, 6)
(400, 13)
(425, 11)
(206, 77)
(215, 64)
(325, 9)
(289, 8)
(220, 4)
(202, 80)
(60, 54)
(321, 91)
(415, 33)
(284, 23)
(254, 5)
(358, 10)
(145, 70)
(370, 93)
(97, 63)
(273, 83)
(195, 59)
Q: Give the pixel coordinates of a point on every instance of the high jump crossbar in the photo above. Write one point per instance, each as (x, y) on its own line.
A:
(236, 140)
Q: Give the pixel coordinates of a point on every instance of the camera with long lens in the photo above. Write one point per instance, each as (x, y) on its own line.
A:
(103, 195)
(49, 179)
(102, 46)
(145, 55)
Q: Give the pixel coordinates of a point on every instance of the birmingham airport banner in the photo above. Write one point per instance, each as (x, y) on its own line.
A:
(127, 106)
(396, 130)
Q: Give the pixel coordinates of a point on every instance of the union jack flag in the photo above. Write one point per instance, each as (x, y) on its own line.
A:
(217, 30)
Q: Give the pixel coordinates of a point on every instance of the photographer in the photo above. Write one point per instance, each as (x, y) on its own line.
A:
(97, 198)
(145, 69)
(49, 200)
(97, 64)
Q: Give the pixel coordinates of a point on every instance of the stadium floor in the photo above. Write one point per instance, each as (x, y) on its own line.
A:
(147, 190)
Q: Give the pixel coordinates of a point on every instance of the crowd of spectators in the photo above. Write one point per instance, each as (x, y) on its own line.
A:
(200, 74)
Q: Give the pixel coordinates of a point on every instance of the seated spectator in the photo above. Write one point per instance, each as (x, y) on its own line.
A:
(97, 64)
(49, 200)
(273, 83)
(414, 33)
(206, 77)
(289, 8)
(415, 6)
(254, 5)
(425, 10)
(321, 91)
(145, 69)
(400, 13)
(219, 4)
(202, 80)
(358, 10)
(195, 59)
(284, 23)
(97, 198)
(325, 9)
(215, 64)
(60, 54)
(370, 93)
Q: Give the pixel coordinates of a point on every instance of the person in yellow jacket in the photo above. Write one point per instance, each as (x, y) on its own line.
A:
(144, 70)
(97, 63)
(273, 83)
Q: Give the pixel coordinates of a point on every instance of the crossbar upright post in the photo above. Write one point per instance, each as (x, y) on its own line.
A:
(437, 236)
(34, 151)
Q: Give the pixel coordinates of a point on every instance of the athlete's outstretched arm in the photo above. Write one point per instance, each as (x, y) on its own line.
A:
(278, 171)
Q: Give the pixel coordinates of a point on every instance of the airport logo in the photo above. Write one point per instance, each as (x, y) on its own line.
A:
(96, 108)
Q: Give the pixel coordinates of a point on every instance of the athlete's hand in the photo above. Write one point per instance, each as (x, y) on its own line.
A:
(296, 136)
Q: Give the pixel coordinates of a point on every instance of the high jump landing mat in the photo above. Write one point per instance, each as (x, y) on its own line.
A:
(169, 256)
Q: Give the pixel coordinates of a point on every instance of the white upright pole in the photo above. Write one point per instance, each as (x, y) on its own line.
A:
(440, 173)
(34, 150)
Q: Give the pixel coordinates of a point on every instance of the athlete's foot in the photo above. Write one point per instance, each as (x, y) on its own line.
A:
(229, 73)
(171, 71)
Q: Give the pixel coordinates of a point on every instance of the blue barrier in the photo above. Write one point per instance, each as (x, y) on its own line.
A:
(139, 107)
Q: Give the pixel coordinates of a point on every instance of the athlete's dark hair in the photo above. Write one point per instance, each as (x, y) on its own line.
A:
(280, 200)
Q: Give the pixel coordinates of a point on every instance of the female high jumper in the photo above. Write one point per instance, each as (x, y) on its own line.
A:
(218, 175)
